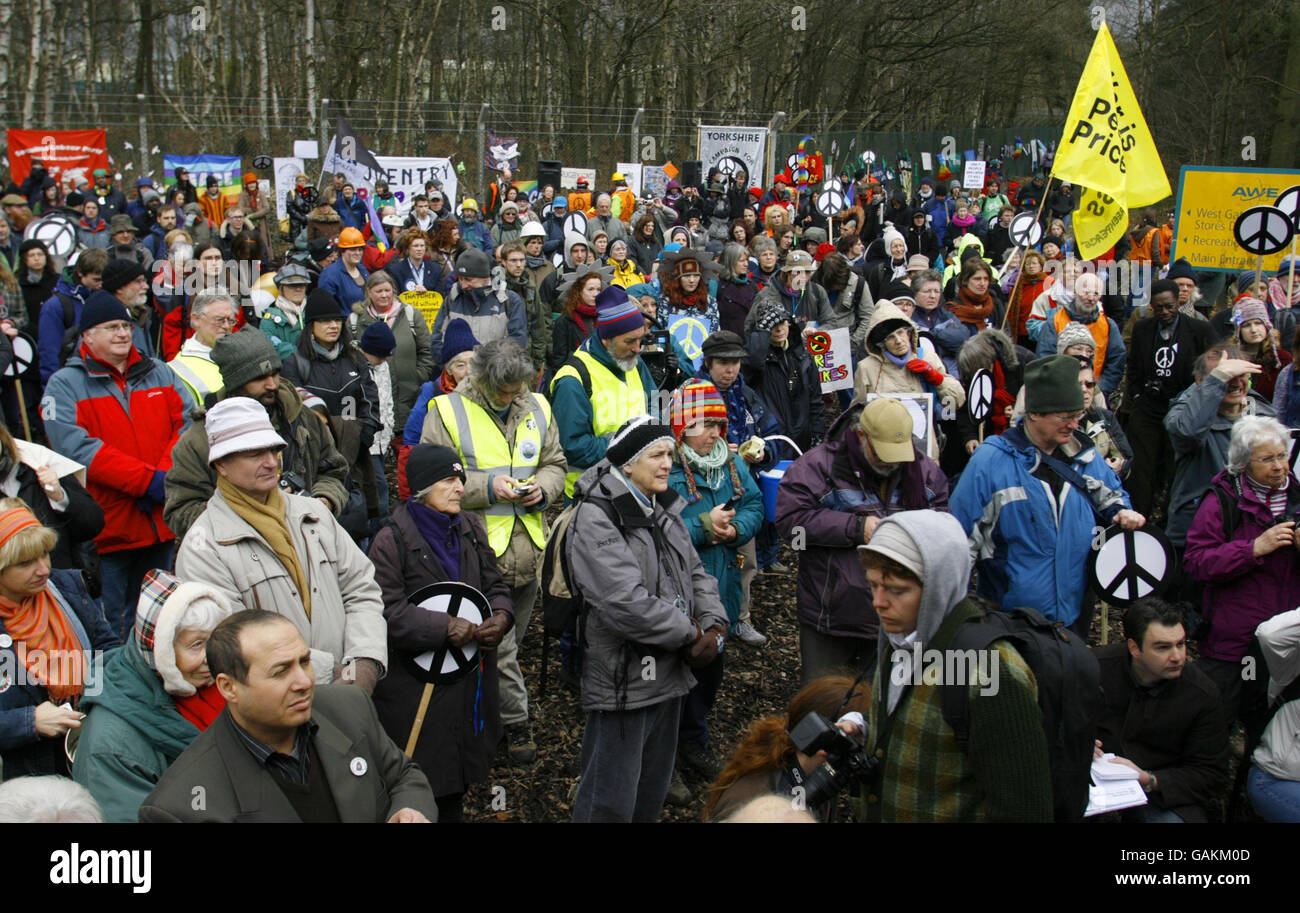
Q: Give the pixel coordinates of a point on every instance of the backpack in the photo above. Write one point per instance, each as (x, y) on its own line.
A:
(71, 331)
(1069, 696)
(564, 610)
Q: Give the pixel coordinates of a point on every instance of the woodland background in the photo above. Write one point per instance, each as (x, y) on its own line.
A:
(566, 77)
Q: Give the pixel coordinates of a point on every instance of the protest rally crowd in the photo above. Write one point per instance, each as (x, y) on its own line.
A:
(226, 500)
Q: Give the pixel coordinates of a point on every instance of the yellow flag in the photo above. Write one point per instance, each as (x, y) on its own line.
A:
(1107, 150)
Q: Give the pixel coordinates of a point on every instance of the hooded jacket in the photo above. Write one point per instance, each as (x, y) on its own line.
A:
(878, 373)
(133, 732)
(1279, 750)
(492, 313)
(926, 776)
(787, 381)
(548, 291)
(1029, 550)
(811, 304)
(827, 500)
(644, 585)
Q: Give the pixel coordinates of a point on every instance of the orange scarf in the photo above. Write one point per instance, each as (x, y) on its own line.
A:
(55, 657)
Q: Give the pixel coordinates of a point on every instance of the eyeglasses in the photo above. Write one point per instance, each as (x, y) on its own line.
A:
(115, 327)
(1276, 459)
(1088, 384)
(1066, 418)
(223, 321)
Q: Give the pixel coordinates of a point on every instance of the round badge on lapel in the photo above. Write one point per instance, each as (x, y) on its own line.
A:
(358, 767)
(6, 641)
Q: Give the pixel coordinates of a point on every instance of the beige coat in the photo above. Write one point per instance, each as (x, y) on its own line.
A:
(522, 559)
(347, 608)
(878, 374)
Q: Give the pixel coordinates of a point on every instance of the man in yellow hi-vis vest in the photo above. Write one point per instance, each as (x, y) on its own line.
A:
(212, 315)
(603, 384)
(514, 470)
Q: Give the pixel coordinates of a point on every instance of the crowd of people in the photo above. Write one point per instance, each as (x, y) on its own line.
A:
(238, 462)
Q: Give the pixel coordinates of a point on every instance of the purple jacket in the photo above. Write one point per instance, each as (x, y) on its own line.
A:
(822, 506)
(1241, 590)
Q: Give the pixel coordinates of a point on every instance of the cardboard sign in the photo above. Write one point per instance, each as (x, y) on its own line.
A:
(973, 176)
(832, 352)
(427, 303)
(631, 171)
(569, 178)
(1209, 201)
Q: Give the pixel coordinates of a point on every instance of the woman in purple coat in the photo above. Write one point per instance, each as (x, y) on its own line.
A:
(1243, 545)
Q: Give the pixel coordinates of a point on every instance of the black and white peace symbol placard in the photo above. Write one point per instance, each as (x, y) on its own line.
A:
(57, 232)
(979, 395)
(1025, 230)
(1131, 565)
(729, 165)
(24, 356)
(448, 663)
(1263, 230)
(261, 162)
(829, 202)
(576, 221)
(792, 162)
(1289, 202)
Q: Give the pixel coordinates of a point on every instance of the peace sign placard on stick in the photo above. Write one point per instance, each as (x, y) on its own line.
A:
(1263, 230)
(1025, 230)
(448, 663)
(1131, 565)
(1288, 201)
(979, 396)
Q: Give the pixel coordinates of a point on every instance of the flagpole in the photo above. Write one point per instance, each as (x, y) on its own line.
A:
(1020, 270)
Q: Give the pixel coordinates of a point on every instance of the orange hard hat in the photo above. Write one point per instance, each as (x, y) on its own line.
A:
(349, 237)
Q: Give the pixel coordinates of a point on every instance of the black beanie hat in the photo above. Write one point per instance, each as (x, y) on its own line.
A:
(119, 272)
(430, 463)
(101, 307)
(1181, 270)
(321, 305)
(634, 437)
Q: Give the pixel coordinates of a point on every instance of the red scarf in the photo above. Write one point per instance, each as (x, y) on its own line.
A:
(446, 383)
(971, 309)
(202, 707)
(580, 310)
(1001, 399)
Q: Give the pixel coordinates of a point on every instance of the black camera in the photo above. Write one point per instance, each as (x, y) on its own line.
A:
(846, 761)
(292, 482)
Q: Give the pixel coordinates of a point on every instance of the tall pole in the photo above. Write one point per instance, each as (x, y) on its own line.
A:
(144, 137)
(772, 126)
(322, 136)
(481, 131)
(634, 154)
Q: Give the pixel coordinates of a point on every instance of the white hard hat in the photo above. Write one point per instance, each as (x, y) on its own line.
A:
(532, 230)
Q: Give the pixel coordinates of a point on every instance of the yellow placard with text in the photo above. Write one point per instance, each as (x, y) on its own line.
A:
(1209, 201)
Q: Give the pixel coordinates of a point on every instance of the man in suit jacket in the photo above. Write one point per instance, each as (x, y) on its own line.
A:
(283, 750)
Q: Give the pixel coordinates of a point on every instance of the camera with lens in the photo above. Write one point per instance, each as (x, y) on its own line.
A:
(846, 761)
(292, 482)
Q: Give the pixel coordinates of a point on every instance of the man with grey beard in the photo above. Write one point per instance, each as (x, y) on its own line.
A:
(603, 384)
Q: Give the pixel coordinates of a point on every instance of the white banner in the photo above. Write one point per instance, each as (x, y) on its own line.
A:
(406, 175)
(569, 179)
(734, 148)
(285, 170)
(631, 171)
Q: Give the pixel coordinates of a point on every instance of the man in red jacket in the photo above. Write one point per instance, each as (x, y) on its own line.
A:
(119, 414)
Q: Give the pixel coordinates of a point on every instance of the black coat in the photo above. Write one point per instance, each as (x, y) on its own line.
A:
(81, 522)
(1152, 394)
(449, 751)
(1174, 729)
(787, 381)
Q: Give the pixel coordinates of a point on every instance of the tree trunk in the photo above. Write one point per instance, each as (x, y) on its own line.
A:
(1286, 120)
(6, 28)
(309, 26)
(39, 12)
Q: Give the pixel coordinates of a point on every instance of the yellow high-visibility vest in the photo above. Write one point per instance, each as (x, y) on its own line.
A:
(201, 375)
(483, 448)
(614, 400)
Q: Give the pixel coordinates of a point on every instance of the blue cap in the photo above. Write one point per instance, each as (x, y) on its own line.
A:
(560, 201)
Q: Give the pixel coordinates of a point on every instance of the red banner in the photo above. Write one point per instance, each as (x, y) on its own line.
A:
(68, 155)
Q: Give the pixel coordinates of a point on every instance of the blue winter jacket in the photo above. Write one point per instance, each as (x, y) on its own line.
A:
(355, 215)
(719, 559)
(1025, 554)
(477, 233)
(335, 280)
